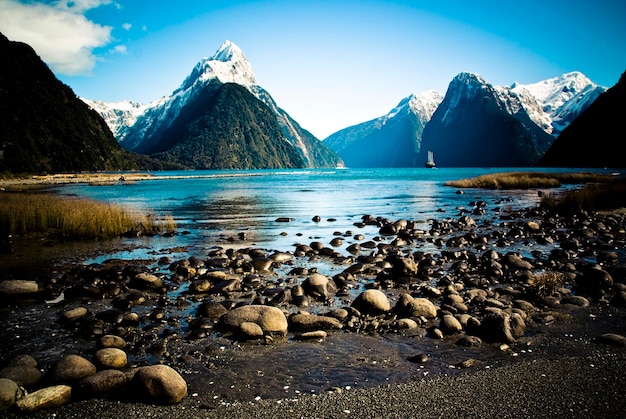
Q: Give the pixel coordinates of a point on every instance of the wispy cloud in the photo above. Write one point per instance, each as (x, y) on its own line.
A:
(127, 26)
(59, 32)
(119, 49)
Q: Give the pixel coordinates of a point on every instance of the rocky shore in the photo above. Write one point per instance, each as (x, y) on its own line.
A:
(520, 317)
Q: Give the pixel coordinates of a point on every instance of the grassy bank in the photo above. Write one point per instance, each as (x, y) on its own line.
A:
(73, 218)
(529, 180)
(596, 197)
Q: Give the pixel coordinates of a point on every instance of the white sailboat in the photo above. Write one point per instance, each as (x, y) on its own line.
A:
(430, 163)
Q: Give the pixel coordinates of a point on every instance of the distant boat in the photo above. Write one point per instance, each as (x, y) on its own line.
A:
(430, 163)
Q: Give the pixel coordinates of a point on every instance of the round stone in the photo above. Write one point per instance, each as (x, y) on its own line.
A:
(111, 358)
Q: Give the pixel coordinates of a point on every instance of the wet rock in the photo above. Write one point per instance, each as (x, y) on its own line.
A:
(270, 319)
(9, 393)
(111, 341)
(310, 322)
(111, 358)
(576, 300)
(372, 302)
(415, 307)
(502, 327)
(24, 360)
(71, 368)
(403, 270)
(250, 330)
(146, 280)
(450, 325)
(19, 287)
(469, 341)
(319, 287)
(46, 398)
(262, 264)
(405, 324)
(74, 314)
(160, 383)
(200, 286)
(419, 358)
(514, 261)
(102, 382)
(592, 279)
(23, 375)
(211, 309)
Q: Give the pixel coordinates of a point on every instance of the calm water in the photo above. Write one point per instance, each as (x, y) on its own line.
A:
(215, 208)
(218, 206)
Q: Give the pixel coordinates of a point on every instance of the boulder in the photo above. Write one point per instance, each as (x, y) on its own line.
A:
(145, 280)
(270, 319)
(250, 330)
(111, 341)
(415, 307)
(111, 358)
(319, 287)
(102, 382)
(450, 325)
(9, 393)
(502, 327)
(71, 368)
(160, 383)
(311, 322)
(372, 302)
(46, 398)
(19, 287)
(23, 375)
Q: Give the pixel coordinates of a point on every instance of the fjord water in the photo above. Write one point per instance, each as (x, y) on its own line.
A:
(218, 208)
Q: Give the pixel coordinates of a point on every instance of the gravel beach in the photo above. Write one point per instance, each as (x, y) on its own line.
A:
(559, 352)
(567, 387)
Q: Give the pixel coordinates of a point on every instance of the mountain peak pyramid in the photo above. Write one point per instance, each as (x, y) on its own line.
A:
(228, 65)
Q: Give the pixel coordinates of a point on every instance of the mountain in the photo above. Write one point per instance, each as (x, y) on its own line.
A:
(595, 138)
(396, 139)
(227, 128)
(477, 124)
(393, 140)
(144, 131)
(45, 127)
(554, 103)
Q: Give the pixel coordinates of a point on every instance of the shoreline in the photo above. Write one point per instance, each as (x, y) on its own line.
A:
(557, 343)
(575, 387)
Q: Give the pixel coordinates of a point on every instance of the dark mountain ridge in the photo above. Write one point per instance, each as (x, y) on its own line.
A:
(596, 137)
(225, 128)
(45, 127)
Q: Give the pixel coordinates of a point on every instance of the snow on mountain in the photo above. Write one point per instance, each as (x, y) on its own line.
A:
(554, 103)
(227, 65)
(118, 115)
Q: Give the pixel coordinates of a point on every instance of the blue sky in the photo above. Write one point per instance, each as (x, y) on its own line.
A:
(329, 64)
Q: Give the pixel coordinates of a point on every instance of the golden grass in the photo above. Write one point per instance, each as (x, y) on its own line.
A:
(546, 283)
(528, 180)
(69, 217)
(595, 197)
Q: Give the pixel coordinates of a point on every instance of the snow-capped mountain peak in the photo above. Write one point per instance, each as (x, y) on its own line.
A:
(555, 102)
(228, 65)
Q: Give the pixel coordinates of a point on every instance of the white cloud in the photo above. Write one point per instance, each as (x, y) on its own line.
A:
(59, 32)
(119, 49)
(127, 26)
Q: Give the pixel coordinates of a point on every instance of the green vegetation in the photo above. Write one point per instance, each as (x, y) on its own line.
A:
(73, 218)
(528, 180)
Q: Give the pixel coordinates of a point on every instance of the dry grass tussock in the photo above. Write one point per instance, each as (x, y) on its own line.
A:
(596, 197)
(529, 180)
(74, 218)
(546, 283)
